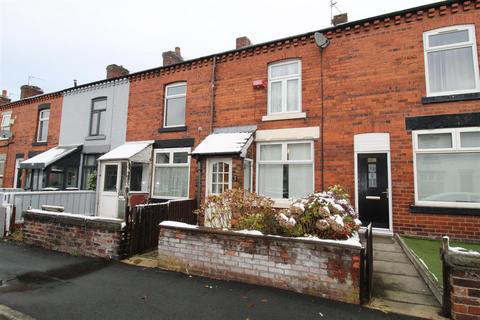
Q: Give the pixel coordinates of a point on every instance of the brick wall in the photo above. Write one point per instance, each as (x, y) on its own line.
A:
(74, 234)
(465, 294)
(24, 130)
(321, 269)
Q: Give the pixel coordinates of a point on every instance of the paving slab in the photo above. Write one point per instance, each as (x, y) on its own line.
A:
(389, 256)
(393, 267)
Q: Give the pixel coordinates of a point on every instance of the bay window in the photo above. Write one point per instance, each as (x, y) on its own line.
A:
(171, 173)
(285, 169)
(447, 170)
(451, 61)
(284, 87)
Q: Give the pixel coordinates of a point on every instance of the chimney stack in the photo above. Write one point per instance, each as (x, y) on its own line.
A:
(172, 57)
(4, 99)
(27, 91)
(339, 19)
(114, 71)
(242, 42)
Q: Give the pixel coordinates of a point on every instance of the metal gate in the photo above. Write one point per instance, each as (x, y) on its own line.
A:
(143, 222)
(366, 267)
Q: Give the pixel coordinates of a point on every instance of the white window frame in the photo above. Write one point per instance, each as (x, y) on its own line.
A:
(456, 148)
(248, 162)
(281, 202)
(173, 96)
(471, 43)
(41, 119)
(170, 165)
(4, 128)
(210, 162)
(284, 80)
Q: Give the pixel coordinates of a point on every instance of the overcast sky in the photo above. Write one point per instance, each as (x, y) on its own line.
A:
(61, 40)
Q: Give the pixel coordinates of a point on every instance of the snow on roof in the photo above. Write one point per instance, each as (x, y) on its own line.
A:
(223, 143)
(126, 151)
(48, 157)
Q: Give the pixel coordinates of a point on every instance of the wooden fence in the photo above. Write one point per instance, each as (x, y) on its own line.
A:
(143, 222)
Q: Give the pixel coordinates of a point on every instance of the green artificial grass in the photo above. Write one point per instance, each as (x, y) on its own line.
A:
(429, 252)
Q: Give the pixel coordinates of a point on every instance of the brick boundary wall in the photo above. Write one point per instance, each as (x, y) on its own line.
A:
(75, 234)
(323, 269)
(461, 283)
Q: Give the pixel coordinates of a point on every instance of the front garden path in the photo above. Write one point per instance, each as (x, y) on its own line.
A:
(397, 286)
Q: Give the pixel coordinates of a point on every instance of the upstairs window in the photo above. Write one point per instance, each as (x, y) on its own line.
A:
(175, 100)
(451, 61)
(97, 118)
(43, 119)
(284, 87)
(5, 125)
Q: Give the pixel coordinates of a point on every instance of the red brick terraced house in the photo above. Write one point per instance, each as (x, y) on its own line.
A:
(386, 106)
(29, 126)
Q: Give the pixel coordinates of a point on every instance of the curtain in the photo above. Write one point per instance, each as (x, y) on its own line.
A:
(299, 180)
(171, 182)
(450, 177)
(270, 180)
(451, 69)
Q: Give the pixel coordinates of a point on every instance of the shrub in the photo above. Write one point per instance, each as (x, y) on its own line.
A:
(327, 215)
(236, 206)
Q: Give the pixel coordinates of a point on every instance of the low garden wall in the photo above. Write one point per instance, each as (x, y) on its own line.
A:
(75, 234)
(319, 268)
(461, 271)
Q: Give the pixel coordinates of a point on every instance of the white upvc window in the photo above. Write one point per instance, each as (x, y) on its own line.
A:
(451, 64)
(285, 87)
(171, 173)
(285, 170)
(447, 167)
(43, 119)
(175, 103)
(5, 125)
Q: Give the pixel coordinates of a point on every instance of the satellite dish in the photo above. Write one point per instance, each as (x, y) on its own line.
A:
(321, 40)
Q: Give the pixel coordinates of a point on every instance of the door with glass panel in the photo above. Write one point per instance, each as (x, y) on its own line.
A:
(373, 206)
(109, 190)
(219, 175)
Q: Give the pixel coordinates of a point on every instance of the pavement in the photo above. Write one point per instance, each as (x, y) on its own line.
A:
(49, 285)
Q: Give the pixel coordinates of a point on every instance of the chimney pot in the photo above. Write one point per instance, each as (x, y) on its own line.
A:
(4, 93)
(172, 57)
(114, 71)
(27, 91)
(242, 42)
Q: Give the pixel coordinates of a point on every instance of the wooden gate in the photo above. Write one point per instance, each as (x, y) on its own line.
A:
(366, 267)
(143, 222)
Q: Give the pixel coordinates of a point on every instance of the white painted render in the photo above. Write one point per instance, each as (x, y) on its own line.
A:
(76, 112)
(306, 133)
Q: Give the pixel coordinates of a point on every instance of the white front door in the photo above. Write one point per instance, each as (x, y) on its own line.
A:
(219, 175)
(109, 189)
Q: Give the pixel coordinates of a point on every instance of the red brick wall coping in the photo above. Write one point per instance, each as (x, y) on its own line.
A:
(322, 269)
(75, 234)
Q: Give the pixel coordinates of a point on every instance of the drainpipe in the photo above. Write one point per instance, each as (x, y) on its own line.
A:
(212, 92)
(322, 122)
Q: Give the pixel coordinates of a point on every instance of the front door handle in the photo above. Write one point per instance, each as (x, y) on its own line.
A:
(372, 197)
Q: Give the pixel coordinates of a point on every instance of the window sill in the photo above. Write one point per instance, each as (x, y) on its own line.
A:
(451, 98)
(39, 143)
(445, 210)
(99, 137)
(281, 203)
(172, 129)
(285, 116)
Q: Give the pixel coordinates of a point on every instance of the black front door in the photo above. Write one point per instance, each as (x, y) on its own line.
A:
(373, 189)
